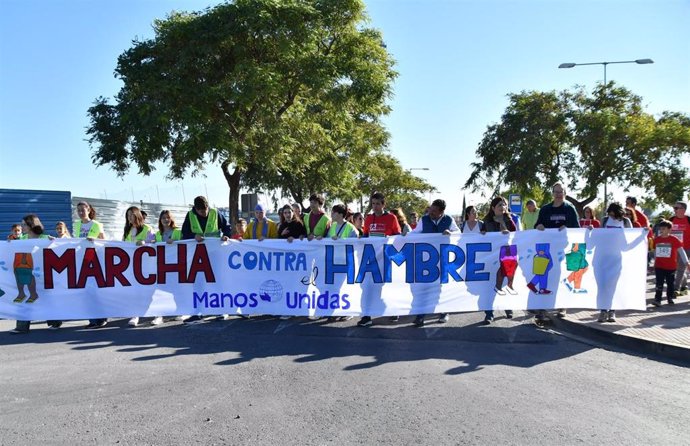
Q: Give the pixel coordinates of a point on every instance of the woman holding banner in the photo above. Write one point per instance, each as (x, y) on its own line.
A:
(136, 231)
(498, 220)
(87, 227)
(23, 271)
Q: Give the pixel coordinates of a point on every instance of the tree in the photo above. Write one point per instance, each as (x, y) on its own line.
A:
(252, 86)
(383, 173)
(586, 140)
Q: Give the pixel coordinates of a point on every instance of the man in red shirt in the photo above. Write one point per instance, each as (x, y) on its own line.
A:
(681, 229)
(378, 224)
(667, 251)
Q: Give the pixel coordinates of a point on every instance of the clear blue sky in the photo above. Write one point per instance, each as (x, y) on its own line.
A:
(457, 61)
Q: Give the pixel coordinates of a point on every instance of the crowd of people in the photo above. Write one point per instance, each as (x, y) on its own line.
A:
(669, 240)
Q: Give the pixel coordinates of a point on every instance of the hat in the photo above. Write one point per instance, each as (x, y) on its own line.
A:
(260, 207)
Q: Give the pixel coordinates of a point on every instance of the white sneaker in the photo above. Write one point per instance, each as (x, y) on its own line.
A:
(499, 291)
(511, 291)
(157, 320)
(133, 322)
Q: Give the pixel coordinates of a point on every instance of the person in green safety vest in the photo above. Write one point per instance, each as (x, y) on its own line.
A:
(341, 228)
(316, 221)
(168, 231)
(23, 265)
(203, 222)
(138, 232)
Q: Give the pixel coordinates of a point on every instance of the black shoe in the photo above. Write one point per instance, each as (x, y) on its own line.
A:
(443, 318)
(419, 321)
(365, 322)
(488, 320)
(509, 314)
(670, 301)
(99, 324)
(395, 318)
(656, 302)
(194, 320)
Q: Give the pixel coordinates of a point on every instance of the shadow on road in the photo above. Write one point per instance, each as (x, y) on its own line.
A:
(472, 345)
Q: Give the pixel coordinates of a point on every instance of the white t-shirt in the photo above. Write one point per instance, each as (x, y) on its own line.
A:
(85, 228)
(613, 223)
(476, 230)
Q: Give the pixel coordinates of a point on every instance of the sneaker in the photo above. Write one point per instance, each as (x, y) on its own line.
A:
(345, 318)
(182, 318)
(510, 290)
(488, 320)
(365, 322)
(133, 322)
(561, 312)
(157, 320)
(532, 288)
(509, 314)
(395, 318)
(611, 316)
(223, 317)
(670, 301)
(656, 302)
(567, 284)
(53, 327)
(99, 324)
(499, 291)
(544, 291)
(419, 321)
(194, 320)
(603, 315)
(443, 318)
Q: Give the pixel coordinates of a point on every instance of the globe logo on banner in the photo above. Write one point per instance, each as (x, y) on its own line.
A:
(271, 291)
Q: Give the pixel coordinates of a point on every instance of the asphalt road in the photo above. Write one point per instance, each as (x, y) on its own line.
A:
(265, 381)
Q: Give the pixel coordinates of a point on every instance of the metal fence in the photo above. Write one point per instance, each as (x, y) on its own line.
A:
(111, 214)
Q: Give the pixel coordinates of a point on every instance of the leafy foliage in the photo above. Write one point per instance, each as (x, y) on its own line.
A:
(586, 140)
(279, 93)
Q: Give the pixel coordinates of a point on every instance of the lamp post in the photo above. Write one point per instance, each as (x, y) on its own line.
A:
(605, 64)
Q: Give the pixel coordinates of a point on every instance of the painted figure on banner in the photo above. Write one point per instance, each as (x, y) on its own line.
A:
(541, 265)
(23, 273)
(576, 263)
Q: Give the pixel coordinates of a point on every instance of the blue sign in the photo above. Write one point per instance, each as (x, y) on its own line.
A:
(515, 203)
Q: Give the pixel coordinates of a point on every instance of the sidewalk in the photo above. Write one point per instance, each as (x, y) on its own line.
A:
(663, 331)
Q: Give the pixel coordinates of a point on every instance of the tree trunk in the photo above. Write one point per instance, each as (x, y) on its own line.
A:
(233, 180)
(580, 205)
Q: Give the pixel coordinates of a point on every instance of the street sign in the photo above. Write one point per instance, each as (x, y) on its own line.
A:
(515, 203)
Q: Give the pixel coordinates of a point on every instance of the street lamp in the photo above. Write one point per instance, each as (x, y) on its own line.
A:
(637, 61)
(605, 64)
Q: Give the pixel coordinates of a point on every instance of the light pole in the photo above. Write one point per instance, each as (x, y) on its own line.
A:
(605, 64)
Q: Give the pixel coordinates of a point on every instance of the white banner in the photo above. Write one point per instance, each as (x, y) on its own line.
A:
(416, 274)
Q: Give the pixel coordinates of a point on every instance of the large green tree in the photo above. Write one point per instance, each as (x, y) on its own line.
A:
(587, 140)
(253, 86)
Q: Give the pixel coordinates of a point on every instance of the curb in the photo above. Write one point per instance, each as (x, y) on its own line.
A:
(638, 345)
